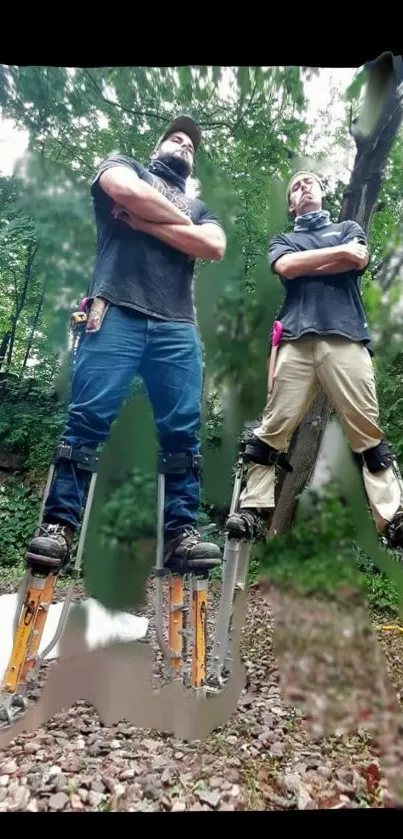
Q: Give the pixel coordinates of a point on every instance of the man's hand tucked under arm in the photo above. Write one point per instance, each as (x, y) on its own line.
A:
(206, 241)
(332, 268)
(136, 196)
(333, 260)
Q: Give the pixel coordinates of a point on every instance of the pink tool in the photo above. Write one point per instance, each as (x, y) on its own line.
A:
(275, 340)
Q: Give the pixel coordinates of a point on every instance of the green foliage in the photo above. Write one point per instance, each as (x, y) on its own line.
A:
(385, 235)
(130, 513)
(30, 423)
(213, 421)
(20, 282)
(389, 383)
(19, 510)
(31, 419)
(316, 555)
(381, 593)
(354, 90)
(253, 121)
(319, 557)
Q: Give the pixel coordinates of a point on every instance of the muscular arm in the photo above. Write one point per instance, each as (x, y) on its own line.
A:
(204, 241)
(293, 265)
(340, 267)
(127, 189)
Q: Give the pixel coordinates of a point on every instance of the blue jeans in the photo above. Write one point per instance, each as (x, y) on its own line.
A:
(168, 357)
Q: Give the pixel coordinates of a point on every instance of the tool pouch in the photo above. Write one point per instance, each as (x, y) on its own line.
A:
(96, 314)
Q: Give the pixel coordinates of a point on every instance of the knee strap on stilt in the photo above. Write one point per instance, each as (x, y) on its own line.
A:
(178, 463)
(86, 459)
(50, 546)
(378, 458)
(258, 452)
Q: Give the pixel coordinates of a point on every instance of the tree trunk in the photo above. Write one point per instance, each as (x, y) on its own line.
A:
(20, 301)
(384, 95)
(4, 346)
(303, 451)
(34, 325)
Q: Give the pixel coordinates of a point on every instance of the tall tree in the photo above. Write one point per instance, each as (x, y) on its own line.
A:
(18, 273)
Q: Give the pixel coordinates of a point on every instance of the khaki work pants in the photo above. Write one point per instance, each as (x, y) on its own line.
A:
(344, 371)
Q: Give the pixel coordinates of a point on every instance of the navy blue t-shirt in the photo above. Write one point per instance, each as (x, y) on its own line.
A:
(136, 269)
(322, 305)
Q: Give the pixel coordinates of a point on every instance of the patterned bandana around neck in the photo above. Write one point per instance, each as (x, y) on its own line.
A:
(158, 168)
(312, 221)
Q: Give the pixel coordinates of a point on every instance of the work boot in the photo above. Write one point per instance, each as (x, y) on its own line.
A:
(187, 553)
(50, 546)
(394, 530)
(248, 523)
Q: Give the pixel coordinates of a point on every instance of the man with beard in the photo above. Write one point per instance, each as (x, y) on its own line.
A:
(141, 321)
(325, 344)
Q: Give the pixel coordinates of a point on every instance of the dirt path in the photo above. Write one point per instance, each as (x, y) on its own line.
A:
(317, 726)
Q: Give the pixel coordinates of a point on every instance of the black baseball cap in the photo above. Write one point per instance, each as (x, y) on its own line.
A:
(187, 125)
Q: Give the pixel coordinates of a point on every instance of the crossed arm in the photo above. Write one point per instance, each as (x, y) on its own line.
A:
(144, 208)
(336, 260)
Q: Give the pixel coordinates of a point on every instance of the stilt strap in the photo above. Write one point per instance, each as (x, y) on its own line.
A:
(178, 463)
(163, 572)
(85, 458)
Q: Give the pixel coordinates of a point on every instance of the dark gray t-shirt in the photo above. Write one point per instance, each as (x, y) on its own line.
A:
(136, 269)
(327, 305)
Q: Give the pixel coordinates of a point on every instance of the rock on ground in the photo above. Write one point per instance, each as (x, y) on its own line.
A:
(285, 748)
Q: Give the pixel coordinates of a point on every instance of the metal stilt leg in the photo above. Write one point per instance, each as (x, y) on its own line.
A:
(185, 653)
(235, 564)
(159, 576)
(35, 597)
(75, 575)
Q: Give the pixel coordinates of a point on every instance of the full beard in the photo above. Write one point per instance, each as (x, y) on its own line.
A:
(178, 164)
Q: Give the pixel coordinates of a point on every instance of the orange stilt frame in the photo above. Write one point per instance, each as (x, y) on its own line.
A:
(34, 603)
(199, 629)
(176, 592)
(36, 593)
(29, 632)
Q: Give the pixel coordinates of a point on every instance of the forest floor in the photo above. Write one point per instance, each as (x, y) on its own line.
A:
(318, 725)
